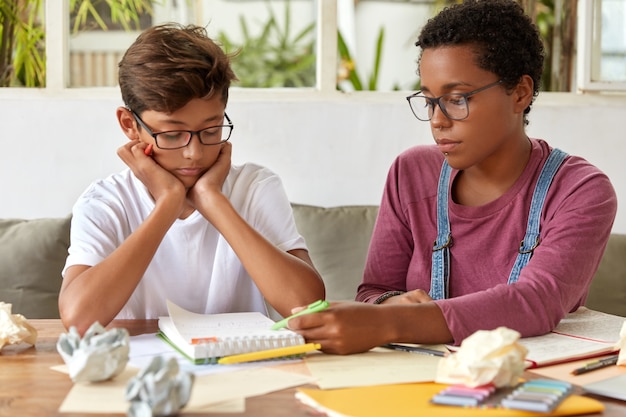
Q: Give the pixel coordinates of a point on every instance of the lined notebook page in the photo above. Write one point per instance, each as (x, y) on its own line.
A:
(584, 333)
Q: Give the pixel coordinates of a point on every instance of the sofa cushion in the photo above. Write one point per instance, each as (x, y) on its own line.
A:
(32, 257)
(608, 288)
(338, 239)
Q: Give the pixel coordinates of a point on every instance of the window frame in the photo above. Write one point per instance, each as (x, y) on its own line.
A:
(57, 45)
(590, 21)
(58, 71)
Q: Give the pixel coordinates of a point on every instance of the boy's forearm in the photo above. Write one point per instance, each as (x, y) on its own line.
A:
(417, 323)
(113, 280)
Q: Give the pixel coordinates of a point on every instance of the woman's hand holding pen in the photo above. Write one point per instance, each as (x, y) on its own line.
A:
(353, 327)
(345, 327)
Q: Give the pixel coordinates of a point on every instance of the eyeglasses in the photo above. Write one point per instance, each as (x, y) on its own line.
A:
(454, 105)
(176, 139)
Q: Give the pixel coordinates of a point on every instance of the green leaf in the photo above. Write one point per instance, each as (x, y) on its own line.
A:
(273, 58)
(373, 81)
(344, 53)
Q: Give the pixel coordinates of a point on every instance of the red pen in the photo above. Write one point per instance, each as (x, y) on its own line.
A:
(148, 150)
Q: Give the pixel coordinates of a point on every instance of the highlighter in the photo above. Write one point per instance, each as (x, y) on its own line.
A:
(289, 352)
(319, 305)
(148, 150)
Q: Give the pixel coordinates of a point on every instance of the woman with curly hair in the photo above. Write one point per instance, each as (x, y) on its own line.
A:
(480, 190)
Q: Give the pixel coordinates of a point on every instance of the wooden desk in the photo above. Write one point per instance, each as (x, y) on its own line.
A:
(28, 387)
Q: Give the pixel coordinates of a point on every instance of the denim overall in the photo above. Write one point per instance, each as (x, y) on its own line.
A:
(440, 274)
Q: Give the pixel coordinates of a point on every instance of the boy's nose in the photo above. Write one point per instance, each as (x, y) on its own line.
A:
(194, 148)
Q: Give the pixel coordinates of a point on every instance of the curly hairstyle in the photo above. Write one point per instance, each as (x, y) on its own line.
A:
(168, 65)
(505, 40)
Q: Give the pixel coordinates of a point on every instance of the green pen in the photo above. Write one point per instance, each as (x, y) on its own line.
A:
(319, 305)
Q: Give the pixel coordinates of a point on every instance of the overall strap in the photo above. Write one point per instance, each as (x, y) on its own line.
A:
(440, 273)
(531, 239)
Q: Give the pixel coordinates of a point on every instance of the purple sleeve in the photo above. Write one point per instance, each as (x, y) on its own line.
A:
(411, 183)
(386, 270)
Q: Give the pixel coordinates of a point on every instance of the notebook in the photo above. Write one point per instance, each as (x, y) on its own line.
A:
(410, 400)
(205, 338)
(582, 334)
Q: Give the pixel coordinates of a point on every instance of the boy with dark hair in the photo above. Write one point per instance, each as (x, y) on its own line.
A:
(181, 223)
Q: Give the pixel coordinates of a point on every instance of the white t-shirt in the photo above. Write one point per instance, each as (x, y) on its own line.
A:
(194, 266)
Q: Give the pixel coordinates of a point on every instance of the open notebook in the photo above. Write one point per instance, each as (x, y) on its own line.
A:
(204, 338)
(582, 334)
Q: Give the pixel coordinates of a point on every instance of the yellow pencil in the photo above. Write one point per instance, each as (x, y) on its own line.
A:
(269, 354)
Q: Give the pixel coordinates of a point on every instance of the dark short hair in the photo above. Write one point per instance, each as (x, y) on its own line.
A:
(506, 41)
(170, 64)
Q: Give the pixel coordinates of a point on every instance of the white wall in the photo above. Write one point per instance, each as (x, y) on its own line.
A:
(329, 150)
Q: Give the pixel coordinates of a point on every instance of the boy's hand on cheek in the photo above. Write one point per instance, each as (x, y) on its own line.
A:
(213, 179)
(160, 182)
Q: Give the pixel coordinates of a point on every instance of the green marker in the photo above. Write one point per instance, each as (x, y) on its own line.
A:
(319, 305)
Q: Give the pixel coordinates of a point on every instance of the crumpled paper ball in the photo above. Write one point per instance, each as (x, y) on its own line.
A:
(621, 345)
(485, 357)
(14, 328)
(159, 389)
(100, 355)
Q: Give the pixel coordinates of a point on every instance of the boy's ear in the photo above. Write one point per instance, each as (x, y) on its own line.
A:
(127, 123)
(524, 93)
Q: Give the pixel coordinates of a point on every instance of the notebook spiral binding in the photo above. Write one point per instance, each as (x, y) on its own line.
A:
(213, 351)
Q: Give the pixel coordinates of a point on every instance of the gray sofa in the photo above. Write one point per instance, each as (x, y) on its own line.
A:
(32, 254)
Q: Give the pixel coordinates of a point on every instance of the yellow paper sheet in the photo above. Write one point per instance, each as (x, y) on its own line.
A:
(413, 400)
(376, 367)
(226, 390)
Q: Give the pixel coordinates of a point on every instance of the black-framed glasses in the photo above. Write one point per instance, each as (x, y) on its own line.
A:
(176, 139)
(453, 105)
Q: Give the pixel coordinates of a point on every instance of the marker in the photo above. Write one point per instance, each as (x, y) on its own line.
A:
(319, 305)
(148, 150)
(269, 354)
(464, 396)
(592, 366)
(414, 349)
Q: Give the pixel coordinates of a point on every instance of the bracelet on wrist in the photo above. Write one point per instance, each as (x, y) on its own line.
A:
(387, 295)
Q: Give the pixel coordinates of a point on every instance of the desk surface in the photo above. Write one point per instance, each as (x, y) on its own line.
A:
(31, 388)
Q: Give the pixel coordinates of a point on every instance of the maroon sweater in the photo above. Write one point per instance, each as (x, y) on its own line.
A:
(576, 221)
